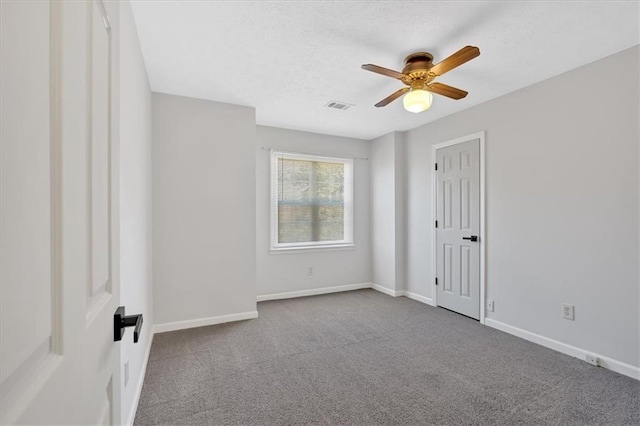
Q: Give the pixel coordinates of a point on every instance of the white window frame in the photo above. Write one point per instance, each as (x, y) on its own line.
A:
(348, 241)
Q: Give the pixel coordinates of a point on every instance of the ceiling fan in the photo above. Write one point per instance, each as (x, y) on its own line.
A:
(418, 74)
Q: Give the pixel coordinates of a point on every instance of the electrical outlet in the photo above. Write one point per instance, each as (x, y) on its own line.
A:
(568, 312)
(310, 270)
(490, 305)
(126, 374)
(592, 359)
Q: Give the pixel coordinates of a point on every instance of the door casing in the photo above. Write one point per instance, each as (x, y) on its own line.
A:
(434, 211)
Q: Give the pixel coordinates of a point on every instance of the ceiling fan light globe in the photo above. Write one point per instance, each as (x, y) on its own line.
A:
(417, 100)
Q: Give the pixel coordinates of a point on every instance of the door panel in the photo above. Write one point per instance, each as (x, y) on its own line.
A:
(447, 270)
(465, 271)
(59, 226)
(99, 124)
(447, 204)
(26, 193)
(99, 144)
(465, 204)
(458, 216)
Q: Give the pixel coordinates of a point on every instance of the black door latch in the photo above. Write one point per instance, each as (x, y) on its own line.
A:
(120, 322)
(471, 238)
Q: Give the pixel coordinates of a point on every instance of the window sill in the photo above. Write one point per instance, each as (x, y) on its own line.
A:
(311, 249)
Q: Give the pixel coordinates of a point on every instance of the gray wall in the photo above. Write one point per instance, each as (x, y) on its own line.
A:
(561, 205)
(387, 211)
(204, 242)
(287, 271)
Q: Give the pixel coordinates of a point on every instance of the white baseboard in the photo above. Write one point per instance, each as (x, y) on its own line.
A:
(138, 392)
(605, 362)
(419, 298)
(387, 291)
(201, 322)
(347, 287)
(313, 292)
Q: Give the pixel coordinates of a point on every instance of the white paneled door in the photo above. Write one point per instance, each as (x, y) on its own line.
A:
(458, 228)
(59, 248)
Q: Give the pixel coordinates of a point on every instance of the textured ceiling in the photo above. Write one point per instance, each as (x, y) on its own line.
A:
(289, 58)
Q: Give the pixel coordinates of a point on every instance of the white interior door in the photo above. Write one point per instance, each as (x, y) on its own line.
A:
(458, 228)
(59, 247)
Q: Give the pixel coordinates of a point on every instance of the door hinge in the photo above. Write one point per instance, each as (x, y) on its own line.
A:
(436, 223)
(436, 166)
(436, 281)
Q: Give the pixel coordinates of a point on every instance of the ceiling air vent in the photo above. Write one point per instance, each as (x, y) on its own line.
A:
(338, 105)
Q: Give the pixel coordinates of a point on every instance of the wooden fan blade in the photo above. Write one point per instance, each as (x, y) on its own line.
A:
(383, 71)
(445, 90)
(392, 97)
(463, 55)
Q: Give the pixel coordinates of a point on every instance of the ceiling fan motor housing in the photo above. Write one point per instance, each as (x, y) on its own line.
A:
(416, 70)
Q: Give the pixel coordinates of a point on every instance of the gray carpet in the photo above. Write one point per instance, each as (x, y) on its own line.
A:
(365, 358)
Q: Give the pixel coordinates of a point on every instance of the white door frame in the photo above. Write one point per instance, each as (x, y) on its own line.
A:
(434, 188)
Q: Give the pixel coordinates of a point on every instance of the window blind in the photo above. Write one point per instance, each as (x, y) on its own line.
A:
(311, 200)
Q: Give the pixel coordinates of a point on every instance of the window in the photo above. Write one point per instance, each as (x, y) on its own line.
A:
(311, 201)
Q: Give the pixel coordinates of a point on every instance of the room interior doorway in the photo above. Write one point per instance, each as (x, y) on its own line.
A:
(458, 237)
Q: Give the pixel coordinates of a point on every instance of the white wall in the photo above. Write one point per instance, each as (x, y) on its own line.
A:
(400, 209)
(387, 211)
(203, 209)
(287, 272)
(135, 205)
(561, 207)
(383, 231)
